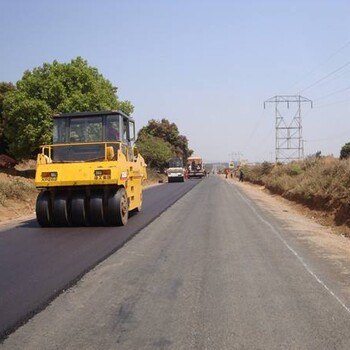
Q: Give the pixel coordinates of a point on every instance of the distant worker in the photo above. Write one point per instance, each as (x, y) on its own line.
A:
(226, 173)
(241, 175)
(193, 165)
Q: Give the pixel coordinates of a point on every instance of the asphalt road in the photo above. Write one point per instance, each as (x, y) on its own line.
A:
(214, 271)
(36, 264)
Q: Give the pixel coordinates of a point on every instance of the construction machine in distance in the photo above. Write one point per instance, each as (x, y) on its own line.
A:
(91, 174)
(195, 167)
(176, 171)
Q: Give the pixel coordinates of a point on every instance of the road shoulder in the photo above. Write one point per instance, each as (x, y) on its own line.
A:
(326, 241)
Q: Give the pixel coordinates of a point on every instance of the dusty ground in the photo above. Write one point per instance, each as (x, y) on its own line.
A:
(330, 240)
(323, 218)
(19, 208)
(13, 210)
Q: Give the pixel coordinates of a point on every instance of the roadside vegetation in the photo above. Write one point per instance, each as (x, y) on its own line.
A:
(321, 183)
(16, 188)
(26, 108)
(17, 195)
(161, 140)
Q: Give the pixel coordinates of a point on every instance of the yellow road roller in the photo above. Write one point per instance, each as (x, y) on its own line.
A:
(91, 175)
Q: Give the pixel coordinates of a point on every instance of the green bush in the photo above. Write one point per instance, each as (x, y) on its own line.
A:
(295, 171)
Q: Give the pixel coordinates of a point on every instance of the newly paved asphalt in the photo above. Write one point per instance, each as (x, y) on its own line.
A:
(36, 263)
(214, 271)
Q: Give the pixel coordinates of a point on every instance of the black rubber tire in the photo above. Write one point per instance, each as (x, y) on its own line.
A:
(170, 179)
(97, 217)
(78, 212)
(60, 210)
(43, 209)
(118, 208)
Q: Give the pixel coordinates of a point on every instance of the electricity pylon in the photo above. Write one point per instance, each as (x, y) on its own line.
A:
(289, 132)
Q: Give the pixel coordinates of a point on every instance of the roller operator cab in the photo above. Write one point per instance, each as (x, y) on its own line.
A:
(91, 174)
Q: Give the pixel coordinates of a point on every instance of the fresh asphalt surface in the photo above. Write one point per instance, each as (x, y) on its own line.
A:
(215, 271)
(36, 263)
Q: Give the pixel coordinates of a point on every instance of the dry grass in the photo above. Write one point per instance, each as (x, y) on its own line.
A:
(16, 188)
(153, 177)
(322, 184)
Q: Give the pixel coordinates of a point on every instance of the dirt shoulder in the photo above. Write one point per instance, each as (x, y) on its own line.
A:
(323, 218)
(24, 194)
(329, 238)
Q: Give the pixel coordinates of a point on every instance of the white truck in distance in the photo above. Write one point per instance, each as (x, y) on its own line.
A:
(176, 171)
(195, 167)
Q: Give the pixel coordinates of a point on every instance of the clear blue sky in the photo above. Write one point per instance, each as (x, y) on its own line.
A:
(207, 65)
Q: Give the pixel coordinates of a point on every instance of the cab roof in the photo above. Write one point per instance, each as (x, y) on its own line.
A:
(90, 114)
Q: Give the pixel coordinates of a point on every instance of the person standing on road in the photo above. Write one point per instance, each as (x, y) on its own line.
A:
(241, 175)
(226, 173)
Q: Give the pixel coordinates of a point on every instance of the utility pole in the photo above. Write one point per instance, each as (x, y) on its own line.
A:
(239, 154)
(289, 133)
(236, 156)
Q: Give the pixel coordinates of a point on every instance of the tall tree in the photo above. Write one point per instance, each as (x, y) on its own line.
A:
(4, 89)
(345, 151)
(54, 88)
(169, 132)
(154, 150)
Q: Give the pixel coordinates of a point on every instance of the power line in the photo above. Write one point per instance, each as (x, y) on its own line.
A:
(332, 93)
(325, 77)
(334, 78)
(320, 64)
(334, 103)
(256, 127)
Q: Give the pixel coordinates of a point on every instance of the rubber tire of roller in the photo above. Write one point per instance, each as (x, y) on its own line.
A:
(96, 210)
(60, 212)
(118, 208)
(43, 209)
(78, 212)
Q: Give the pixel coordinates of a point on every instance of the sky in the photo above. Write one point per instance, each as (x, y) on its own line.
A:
(206, 65)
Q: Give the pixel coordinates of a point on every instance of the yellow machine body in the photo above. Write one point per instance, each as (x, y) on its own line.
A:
(89, 183)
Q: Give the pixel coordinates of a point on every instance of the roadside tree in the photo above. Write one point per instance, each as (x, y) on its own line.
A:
(154, 150)
(168, 132)
(54, 88)
(345, 151)
(4, 89)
